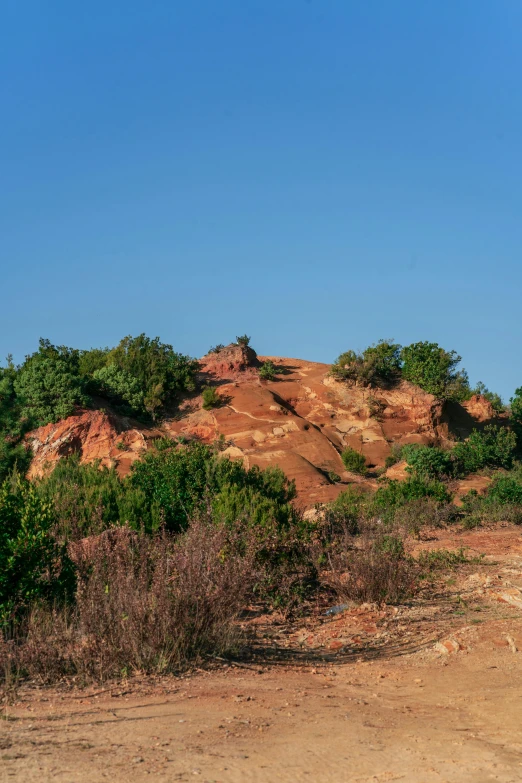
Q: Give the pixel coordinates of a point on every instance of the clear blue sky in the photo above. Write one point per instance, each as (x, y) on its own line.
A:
(317, 174)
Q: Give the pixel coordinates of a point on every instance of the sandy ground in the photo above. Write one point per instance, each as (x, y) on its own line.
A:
(369, 695)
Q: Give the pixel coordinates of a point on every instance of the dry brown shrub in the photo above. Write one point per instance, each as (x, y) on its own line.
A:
(372, 567)
(148, 604)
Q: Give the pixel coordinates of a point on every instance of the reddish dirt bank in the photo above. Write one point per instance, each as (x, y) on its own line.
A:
(424, 692)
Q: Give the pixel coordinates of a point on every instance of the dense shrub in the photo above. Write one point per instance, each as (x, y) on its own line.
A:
(148, 604)
(427, 462)
(161, 373)
(379, 363)
(494, 447)
(505, 489)
(396, 494)
(32, 565)
(88, 499)
(353, 460)
(48, 384)
(13, 454)
(179, 481)
(424, 512)
(433, 369)
(120, 388)
(211, 398)
(502, 503)
(342, 515)
(243, 339)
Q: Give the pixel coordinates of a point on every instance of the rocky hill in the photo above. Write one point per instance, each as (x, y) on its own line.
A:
(301, 420)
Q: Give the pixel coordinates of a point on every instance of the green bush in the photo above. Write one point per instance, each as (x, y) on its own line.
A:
(501, 503)
(161, 373)
(48, 384)
(379, 363)
(494, 447)
(267, 371)
(427, 462)
(178, 482)
(88, 499)
(211, 398)
(433, 369)
(243, 340)
(32, 565)
(354, 461)
(396, 494)
(505, 489)
(120, 388)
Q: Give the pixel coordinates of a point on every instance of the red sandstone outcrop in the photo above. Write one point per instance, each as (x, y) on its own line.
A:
(93, 435)
(231, 362)
(300, 421)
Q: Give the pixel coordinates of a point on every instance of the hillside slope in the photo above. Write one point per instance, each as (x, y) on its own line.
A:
(300, 421)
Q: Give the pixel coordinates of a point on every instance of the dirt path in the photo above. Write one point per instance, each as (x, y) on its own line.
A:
(423, 715)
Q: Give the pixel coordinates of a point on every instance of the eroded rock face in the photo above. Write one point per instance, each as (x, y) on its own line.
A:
(301, 421)
(93, 435)
(232, 361)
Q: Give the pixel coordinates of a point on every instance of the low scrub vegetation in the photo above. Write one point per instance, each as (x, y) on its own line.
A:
(354, 461)
(424, 364)
(493, 447)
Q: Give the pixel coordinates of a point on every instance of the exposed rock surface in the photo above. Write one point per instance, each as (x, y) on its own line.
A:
(300, 421)
(93, 435)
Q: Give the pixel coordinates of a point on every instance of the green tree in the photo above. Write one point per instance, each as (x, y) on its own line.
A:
(12, 450)
(48, 384)
(516, 413)
(377, 364)
(32, 565)
(162, 374)
(433, 369)
(120, 388)
(90, 361)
